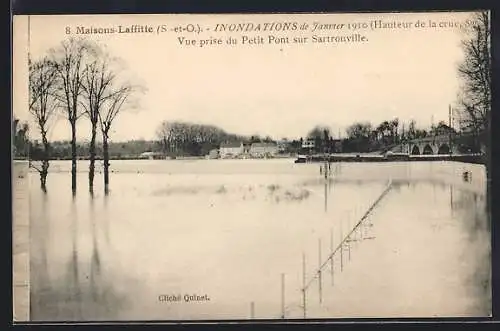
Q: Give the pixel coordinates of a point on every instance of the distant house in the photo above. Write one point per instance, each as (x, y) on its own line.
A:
(246, 148)
(309, 143)
(230, 150)
(263, 149)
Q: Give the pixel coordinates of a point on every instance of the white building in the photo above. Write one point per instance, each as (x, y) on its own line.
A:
(308, 143)
(263, 149)
(230, 150)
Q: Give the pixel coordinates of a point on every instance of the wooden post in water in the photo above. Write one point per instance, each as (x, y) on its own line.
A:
(304, 284)
(319, 272)
(450, 124)
(361, 230)
(355, 234)
(331, 255)
(451, 200)
(349, 247)
(282, 295)
(341, 248)
(348, 240)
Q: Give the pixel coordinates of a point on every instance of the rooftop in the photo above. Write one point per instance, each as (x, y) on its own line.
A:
(230, 145)
(263, 144)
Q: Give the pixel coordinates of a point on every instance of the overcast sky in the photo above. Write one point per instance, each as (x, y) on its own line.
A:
(277, 90)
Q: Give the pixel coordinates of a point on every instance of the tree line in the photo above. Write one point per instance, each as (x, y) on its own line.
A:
(363, 136)
(78, 79)
(191, 139)
(178, 138)
(61, 150)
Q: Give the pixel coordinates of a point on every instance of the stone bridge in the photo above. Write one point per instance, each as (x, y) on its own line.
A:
(429, 146)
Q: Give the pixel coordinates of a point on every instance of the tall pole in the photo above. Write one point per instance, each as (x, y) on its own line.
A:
(331, 255)
(304, 284)
(26, 152)
(320, 283)
(403, 140)
(29, 38)
(451, 127)
(341, 248)
(282, 295)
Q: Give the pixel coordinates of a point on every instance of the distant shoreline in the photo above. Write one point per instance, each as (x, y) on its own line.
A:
(350, 158)
(362, 158)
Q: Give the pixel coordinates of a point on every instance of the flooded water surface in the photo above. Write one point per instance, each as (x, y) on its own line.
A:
(233, 239)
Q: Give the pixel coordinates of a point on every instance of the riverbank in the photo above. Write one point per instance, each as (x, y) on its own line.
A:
(466, 158)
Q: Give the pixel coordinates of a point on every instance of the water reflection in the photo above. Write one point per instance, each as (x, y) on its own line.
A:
(95, 262)
(326, 195)
(106, 218)
(474, 219)
(75, 293)
(40, 280)
(82, 289)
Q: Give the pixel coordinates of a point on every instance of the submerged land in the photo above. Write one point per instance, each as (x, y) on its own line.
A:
(230, 230)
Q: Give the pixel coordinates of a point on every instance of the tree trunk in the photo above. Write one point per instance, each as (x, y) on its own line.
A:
(92, 154)
(73, 156)
(488, 171)
(45, 163)
(43, 175)
(105, 148)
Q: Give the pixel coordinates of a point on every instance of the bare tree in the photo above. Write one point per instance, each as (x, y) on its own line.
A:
(69, 61)
(394, 126)
(42, 105)
(119, 99)
(163, 134)
(359, 130)
(97, 84)
(412, 129)
(475, 72)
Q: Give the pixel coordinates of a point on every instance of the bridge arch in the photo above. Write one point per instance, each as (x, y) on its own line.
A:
(444, 149)
(415, 150)
(427, 150)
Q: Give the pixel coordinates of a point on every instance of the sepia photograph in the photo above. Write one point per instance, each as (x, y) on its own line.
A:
(198, 167)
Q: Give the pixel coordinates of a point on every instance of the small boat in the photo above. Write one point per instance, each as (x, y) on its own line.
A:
(301, 159)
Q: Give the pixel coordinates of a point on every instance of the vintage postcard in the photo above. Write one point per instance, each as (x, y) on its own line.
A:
(238, 167)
